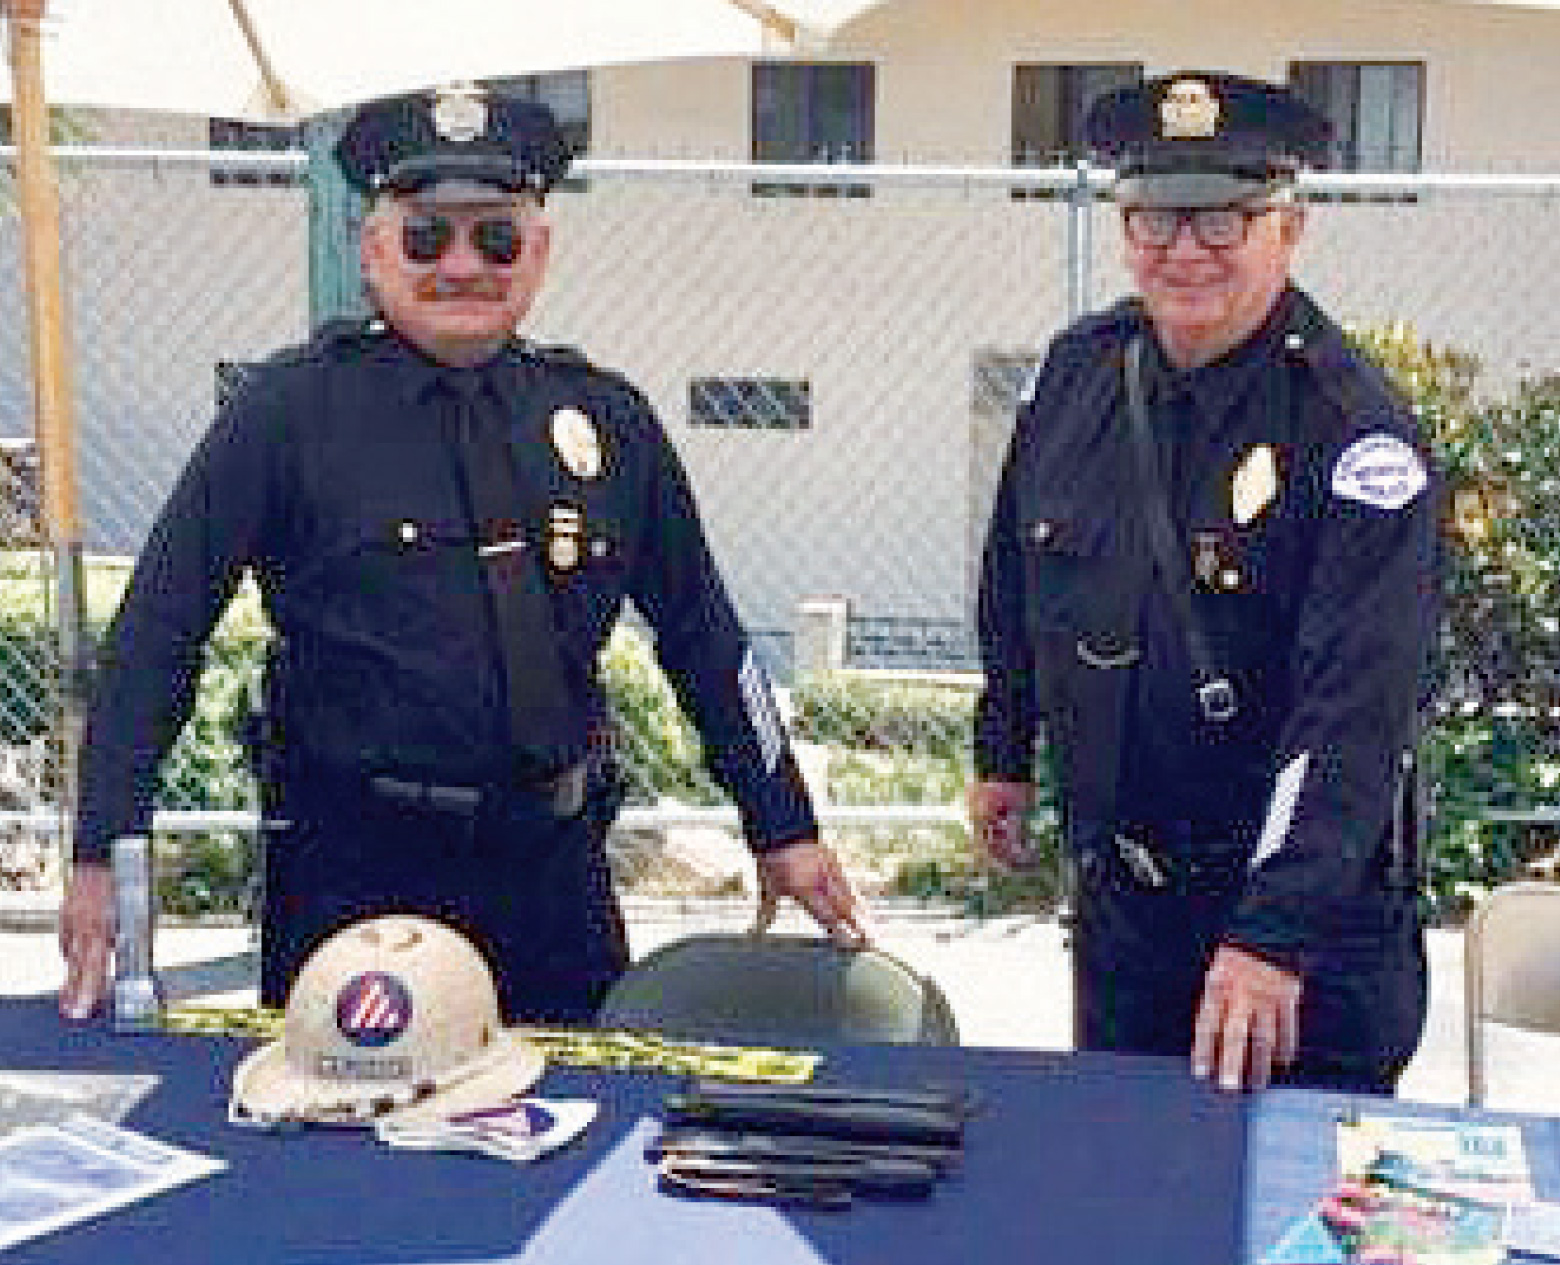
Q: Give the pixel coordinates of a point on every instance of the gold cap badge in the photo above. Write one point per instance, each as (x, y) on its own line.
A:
(460, 112)
(1255, 485)
(1189, 111)
(574, 440)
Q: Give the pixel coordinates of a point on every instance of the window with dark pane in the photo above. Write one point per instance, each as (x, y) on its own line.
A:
(750, 403)
(1377, 113)
(812, 112)
(241, 135)
(1050, 103)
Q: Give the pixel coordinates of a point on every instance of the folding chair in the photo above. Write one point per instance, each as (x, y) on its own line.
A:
(784, 990)
(1511, 977)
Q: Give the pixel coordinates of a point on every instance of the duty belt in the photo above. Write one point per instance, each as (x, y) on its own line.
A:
(562, 792)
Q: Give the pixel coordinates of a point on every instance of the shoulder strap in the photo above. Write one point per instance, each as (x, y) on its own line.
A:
(1215, 691)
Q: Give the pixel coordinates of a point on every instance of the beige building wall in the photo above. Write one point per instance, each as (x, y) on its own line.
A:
(945, 71)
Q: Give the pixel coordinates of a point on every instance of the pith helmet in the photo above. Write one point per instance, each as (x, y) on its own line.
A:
(387, 1013)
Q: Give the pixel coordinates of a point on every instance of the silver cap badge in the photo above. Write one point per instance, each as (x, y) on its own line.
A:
(460, 112)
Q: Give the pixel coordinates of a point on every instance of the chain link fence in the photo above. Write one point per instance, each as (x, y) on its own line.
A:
(836, 352)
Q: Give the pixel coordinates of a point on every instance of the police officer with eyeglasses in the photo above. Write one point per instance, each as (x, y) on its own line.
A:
(444, 522)
(1210, 584)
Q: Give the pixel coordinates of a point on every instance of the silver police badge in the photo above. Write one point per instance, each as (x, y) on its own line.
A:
(460, 112)
(1189, 111)
(575, 441)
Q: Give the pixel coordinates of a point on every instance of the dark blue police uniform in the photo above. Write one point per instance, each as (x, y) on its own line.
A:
(1304, 509)
(393, 781)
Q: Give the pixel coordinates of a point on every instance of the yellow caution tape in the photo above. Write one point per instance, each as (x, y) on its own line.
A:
(651, 1052)
(223, 1021)
(567, 1047)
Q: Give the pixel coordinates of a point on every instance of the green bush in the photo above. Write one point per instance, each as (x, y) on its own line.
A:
(898, 741)
(884, 714)
(659, 749)
(1494, 738)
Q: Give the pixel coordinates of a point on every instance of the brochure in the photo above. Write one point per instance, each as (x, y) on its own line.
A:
(1533, 1232)
(50, 1097)
(521, 1130)
(55, 1175)
(1485, 1162)
(1414, 1191)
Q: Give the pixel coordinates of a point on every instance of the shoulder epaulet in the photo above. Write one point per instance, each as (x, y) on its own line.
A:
(329, 338)
(348, 331)
(1355, 384)
(1113, 325)
(571, 359)
(559, 356)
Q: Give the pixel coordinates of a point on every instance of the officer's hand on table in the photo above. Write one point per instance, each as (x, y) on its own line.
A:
(997, 811)
(1248, 1022)
(86, 938)
(812, 875)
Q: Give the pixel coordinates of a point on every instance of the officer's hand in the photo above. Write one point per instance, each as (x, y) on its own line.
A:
(997, 811)
(810, 873)
(1248, 1022)
(86, 938)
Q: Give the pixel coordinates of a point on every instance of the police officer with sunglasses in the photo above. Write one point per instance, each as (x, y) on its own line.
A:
(1210, 583)
(444, 522)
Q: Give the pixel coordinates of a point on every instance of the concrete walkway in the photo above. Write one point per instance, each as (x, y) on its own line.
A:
(1007, 978)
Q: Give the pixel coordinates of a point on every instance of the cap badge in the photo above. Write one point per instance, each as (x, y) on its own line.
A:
(1189, 111)
(1255, 484)
(574, 440)
(460, 112)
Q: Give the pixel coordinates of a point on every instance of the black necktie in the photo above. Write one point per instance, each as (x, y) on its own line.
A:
(546, 722)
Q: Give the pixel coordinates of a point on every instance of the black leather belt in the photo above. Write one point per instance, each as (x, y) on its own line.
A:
(563, 793)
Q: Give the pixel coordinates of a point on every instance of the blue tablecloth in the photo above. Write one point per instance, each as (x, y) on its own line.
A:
(1071, 1159)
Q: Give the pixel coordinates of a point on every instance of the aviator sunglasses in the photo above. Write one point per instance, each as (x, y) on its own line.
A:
(425, 238)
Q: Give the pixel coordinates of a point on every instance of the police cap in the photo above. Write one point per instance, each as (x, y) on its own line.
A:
(1205, 139)
(460, 138)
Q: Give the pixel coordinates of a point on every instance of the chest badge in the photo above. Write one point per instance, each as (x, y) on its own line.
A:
(1255, 484)
(575, 441)
(565, 538)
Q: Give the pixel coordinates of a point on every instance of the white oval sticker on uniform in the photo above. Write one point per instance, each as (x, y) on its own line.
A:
(1381, 471)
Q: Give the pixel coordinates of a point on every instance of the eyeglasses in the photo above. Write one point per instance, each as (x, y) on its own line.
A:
(425, 238)
(1213, 227)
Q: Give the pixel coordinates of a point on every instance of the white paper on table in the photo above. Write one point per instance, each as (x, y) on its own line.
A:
(54, 1175)
(52, 1097)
